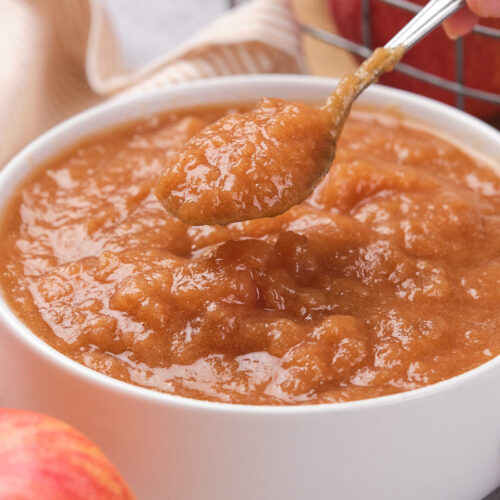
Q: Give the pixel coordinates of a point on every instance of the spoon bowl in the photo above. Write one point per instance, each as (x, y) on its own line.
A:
(263, 162)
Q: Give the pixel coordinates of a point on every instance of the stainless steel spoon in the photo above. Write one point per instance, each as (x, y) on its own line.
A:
(383, 60)
(223, 194)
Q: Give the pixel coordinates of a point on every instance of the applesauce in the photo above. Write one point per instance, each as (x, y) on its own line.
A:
(264, 161)
(384, 280)
(248, 165)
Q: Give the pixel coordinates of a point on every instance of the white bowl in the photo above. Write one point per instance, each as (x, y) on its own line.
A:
(440, 442)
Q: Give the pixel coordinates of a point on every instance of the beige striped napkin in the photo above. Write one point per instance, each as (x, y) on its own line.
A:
(58, 57)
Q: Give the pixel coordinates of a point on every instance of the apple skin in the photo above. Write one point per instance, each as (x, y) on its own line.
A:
(435, 53)
(42, 458)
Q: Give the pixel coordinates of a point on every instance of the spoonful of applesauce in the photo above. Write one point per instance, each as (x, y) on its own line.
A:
(261, 163)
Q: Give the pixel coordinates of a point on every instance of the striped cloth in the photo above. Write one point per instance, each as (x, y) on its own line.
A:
(58, 57)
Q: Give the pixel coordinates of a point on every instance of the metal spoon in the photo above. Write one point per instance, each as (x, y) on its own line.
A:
(350, 87)
(261, 163)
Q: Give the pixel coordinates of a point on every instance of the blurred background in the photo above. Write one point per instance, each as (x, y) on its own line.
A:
(465, 73)
(59, 57)
(146, 29)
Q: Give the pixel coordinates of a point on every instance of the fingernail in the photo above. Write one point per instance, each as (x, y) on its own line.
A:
(450, 33)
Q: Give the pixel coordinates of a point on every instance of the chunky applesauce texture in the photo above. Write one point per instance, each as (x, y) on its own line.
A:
(385, 279)
(249, 165)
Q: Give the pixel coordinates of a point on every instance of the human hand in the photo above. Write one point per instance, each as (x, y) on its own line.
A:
(464, 20)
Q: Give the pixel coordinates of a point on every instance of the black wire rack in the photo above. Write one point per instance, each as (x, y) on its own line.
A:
(364, 49)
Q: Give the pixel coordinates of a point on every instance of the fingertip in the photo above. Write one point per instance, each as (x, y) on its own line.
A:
(460, 23)
(449, 29)
(485, 8)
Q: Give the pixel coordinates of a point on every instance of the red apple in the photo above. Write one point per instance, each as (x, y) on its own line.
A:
(42, 458)
(435, 54)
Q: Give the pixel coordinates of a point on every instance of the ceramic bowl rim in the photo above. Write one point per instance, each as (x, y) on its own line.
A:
(23, 333)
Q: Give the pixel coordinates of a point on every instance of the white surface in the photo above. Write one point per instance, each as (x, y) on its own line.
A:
(147, 29)
(441, 442)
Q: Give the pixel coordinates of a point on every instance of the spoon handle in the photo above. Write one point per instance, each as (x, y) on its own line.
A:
(338, 104)
(431, 16)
